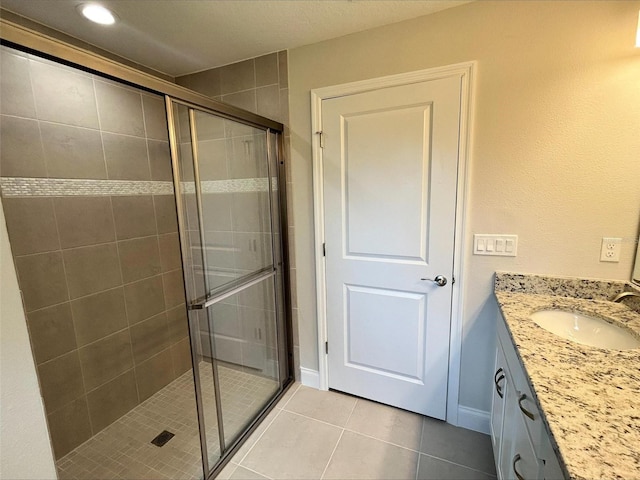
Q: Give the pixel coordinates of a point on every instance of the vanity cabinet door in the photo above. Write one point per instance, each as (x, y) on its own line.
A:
(500, 387)
(524, 463)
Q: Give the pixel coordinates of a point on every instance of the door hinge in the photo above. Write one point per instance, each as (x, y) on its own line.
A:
(326, 347)
(321, 133)
(324, 249)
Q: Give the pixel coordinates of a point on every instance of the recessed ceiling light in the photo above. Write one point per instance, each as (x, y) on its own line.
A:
(97, 13)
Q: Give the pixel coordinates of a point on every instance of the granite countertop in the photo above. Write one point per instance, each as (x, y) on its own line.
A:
(589, 397)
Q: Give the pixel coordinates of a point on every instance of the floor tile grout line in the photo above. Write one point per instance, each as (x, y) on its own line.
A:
(420, 446)
(353, 409)
(255, 471)
(351, 430)
(388, 443)
(291, 396)
(259, 437)
(458, 464)
(326, 467)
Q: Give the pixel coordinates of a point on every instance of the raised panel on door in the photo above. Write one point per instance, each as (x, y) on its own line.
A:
(389, 184)
(376, 228)
(373, 340)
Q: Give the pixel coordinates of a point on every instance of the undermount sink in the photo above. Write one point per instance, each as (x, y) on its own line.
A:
(586, 330)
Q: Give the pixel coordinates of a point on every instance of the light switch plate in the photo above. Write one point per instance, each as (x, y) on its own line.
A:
(495, 244)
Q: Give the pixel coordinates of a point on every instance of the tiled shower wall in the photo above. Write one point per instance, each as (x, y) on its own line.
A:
(86, 188)
(259, 85)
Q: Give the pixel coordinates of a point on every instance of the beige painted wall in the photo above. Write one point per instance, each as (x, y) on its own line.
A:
(25, 449)
(555, 147)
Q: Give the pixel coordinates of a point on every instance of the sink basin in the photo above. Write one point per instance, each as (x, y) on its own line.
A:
(586, 330)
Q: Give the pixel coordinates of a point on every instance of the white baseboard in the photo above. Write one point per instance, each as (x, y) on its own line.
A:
(310, 378)
(474, 419)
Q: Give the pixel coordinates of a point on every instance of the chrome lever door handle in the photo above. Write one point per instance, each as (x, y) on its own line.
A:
(440, 280)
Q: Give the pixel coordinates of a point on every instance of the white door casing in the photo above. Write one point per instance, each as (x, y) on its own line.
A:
(388, 206)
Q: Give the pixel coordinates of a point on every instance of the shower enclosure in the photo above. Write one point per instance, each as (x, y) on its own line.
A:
(226, 180)
(178, 202)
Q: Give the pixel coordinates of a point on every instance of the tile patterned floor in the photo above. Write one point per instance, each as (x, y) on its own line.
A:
(123, 449)
(328, 435)
(309, 435)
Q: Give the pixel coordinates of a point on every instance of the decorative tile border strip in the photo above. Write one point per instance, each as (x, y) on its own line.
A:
(235, 185)
(64, 187)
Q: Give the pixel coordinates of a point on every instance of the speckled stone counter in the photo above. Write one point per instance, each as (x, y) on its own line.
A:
(589, 397)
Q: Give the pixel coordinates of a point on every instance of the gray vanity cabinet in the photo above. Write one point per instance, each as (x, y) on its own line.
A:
(521, 445)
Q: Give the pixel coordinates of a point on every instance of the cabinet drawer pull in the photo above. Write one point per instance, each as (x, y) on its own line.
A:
(516, 459)
(524, 410)
(497, 379)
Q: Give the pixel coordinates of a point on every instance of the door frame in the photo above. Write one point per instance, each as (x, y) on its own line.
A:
(465, 71)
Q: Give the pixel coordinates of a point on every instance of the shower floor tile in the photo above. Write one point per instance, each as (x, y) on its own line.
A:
(123, 450)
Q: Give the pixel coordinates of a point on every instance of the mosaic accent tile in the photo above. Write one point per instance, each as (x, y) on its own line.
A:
(63, 187)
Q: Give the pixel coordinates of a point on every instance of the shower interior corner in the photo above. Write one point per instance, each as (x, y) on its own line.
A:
(146, 234)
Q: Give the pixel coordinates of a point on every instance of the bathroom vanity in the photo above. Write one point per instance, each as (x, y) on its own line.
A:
(562, 409)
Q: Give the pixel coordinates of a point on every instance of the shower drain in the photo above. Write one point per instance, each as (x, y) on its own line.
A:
(163, 438)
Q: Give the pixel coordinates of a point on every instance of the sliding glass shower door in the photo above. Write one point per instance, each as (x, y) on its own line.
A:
(225, 173)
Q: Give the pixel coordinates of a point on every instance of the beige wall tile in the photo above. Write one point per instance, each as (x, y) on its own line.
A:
(15, 86)
(268, 102)
(84, 221)
(134, 216)
(31, 225)
(154, 374)
(112, 400)
(120, 109)
(144, 299)
(126, 157)
(266, 69)
(237, 76)
(72, 152)
(173, 288)
(51, 331)
(166, 216)
(106, 359)
(69, 427)
(245, 99)
(155, 117)
(139, 258)
(63, 96)
(96, 316)
(61, 381)
(283, 69)
(177, 323)
(20, 141)
(181, 356)
(170, 258)
(92, 269)
(42, 280)
(149, 337)
(160, 160)
(206, 83)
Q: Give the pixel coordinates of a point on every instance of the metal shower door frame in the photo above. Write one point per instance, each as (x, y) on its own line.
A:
(196, 305)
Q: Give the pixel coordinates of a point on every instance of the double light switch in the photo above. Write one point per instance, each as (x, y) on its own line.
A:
(498, 245)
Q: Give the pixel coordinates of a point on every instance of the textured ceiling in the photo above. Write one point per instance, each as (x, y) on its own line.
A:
(177, 37)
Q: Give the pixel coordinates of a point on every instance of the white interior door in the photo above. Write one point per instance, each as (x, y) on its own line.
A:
(390, 161)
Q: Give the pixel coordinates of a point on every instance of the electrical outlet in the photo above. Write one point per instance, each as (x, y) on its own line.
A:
(610, 251)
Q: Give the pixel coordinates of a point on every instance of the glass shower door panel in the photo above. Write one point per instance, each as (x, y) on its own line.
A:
(244, 328)
(236, 221)
(200, 331)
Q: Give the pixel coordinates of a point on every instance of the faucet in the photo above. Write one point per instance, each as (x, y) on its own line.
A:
(622, 295)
